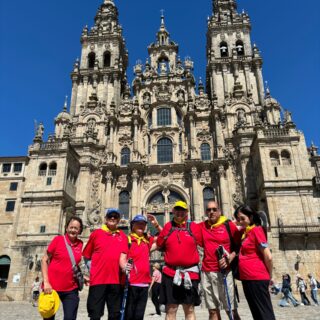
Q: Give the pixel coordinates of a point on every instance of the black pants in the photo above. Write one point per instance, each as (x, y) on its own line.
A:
(304, 299)
(258, 298)
(155, 290)
(100, 295)
(136, 303)
(70, 302)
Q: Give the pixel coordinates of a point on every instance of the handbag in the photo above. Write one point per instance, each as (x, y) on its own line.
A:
(77, 274)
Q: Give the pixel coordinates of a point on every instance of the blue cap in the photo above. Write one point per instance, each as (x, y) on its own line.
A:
(139, 218)
(112, 210)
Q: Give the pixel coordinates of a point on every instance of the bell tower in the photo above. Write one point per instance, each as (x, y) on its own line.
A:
(104, 58)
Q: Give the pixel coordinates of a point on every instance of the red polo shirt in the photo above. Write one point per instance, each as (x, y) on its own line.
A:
(60, 267)
(180, 249)
(141, 263)
(104, 249)
(251, 265)
(212, 238)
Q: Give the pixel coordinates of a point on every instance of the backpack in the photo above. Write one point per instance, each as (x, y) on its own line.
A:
(236, 248)
(318, 284)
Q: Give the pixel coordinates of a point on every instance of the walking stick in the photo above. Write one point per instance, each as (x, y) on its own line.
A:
(220, 252)
(125, 293)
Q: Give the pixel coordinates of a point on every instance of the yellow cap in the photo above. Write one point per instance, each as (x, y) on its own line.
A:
(181, 204)
(48, 304)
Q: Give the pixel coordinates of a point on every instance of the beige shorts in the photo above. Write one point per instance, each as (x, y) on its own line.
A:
(215, 293)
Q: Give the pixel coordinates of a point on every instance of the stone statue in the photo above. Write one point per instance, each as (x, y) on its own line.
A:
(40, 131)
(287, 116)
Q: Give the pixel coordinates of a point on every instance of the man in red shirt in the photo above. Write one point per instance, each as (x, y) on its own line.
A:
(104, 248)
(180, 281)
(214, 233)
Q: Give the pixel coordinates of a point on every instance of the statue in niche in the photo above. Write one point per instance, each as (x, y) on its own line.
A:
(91, 125)
(241, 117)
(163, 67)
(180, 96)
(146, 98)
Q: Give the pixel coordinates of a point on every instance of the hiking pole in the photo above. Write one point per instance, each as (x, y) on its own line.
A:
(125, 292)
(221, 254)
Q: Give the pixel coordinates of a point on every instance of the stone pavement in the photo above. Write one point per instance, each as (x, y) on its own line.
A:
(25, 311)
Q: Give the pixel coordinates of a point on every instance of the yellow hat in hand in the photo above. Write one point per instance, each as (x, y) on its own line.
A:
(48, 304)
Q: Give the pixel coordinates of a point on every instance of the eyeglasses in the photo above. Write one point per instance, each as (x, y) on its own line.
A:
(113, 217)
(212, 209)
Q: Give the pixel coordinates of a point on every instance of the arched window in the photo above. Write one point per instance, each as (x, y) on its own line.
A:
(180, 142)
(149, 145)
(179, 119)
(164, 148)
(274, 157)
(285, 158)
(5, 263)
(125, 156)
(240, 48)
(43, 169)
(91, 60)
(52, 169)
(208, 194)
(205, 152)
(124, 199)
(106, 59)
(224, 52)
(164, 116)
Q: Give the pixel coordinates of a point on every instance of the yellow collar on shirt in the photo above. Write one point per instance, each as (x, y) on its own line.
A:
(139, 239)
(106, 229)
(221, 220)
(248, 229)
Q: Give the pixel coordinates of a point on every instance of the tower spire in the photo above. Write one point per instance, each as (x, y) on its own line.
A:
(224, 8)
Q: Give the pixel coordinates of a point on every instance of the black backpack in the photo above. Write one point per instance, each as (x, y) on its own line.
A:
(174, 227)
(236, 248)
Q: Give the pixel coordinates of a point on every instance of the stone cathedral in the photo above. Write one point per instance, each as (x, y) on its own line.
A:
(141, 146)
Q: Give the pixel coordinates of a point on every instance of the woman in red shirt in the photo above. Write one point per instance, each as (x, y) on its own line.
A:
(255, 264)
(57, 270)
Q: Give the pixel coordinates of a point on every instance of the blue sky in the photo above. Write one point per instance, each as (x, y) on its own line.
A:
(40, 42)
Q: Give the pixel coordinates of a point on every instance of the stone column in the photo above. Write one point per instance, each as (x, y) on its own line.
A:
(224, 203)
(85, 89)
(134, 193)
(192, 137)
(105, 89)
(111, 136)
(135, 135)
(195, 194)
(154, 118)
(258, 72)
(219, 135)
(117, 90)
(225, 79)
(247, 76)
(109, 179)
(74, 94)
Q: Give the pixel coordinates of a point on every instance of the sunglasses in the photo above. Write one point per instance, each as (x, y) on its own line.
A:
(212, 209)
(113, 216)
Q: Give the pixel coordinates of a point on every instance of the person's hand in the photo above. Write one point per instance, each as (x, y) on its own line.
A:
(128, 267)
(47, 289)
(152, 219)
(86, 280)
(223, 263)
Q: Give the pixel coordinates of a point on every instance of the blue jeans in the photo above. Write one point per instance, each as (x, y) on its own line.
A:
(70, 301)
(314, 296)
(288, 296)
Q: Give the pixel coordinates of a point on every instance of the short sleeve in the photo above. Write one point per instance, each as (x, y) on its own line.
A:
(53, 245)
(124, 246)
(236, 234)
(196, 231)
(88, 250)
(260, 237)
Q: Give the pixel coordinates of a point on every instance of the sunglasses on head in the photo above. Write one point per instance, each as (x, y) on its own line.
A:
(212, 209)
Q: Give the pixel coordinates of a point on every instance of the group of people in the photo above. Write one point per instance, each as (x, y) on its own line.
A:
(301, 287)
(116, 261)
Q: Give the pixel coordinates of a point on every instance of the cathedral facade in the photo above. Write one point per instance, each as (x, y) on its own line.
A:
(162, 139)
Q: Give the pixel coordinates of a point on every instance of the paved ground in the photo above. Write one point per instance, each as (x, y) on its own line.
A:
(25, 311)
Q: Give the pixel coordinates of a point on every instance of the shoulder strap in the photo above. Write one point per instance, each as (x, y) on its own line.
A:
(73, 261)
(232, 243)
(129, 242)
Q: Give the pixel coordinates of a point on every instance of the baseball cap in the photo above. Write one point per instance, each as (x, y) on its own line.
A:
(109, 212)
(48, 304)
(181, 204)
(138, 218)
